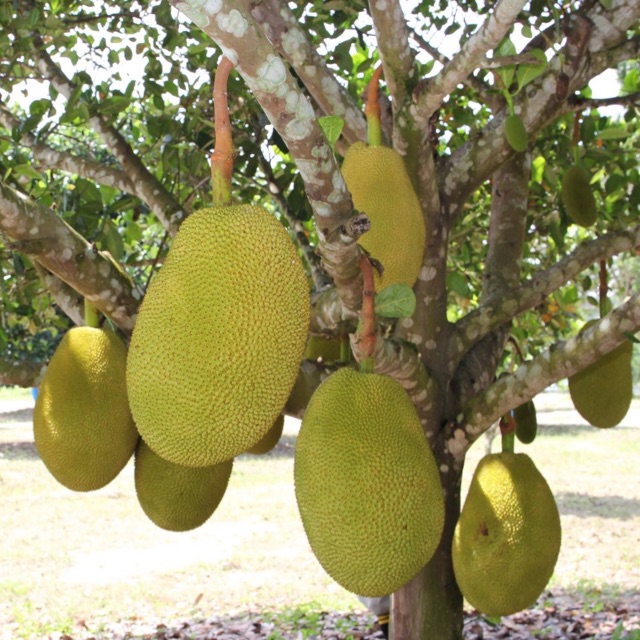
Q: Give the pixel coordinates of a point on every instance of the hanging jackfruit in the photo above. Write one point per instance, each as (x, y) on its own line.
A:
(515, 132)
(271, 439)
(577, 196)
(366, 482)
(175, 497)
(82, 426)
(507, 539)
(219, 338)
(380, 187)
(602, 392)
(526, 422)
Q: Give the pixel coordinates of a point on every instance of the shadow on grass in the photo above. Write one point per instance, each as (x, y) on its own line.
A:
(18, 451)
(21, 415)
(566, 429)
(586, 506)
(284, 449)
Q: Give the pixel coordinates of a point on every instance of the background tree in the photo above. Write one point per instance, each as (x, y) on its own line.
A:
(106, 128)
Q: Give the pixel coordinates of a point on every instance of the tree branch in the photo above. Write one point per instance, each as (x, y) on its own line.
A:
(430, 94)
(497, 310)
(560, 361)
(68, 299)
(45, 237)
(20, 373)
(241, 39)
(147, 187)
(293, 43)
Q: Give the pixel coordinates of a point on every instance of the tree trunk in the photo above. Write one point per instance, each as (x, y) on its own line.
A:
(429, 607)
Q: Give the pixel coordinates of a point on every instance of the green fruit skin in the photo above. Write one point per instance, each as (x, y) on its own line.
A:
(515, 133)
(366, 482)
(577, 197)
(526, 422)
(602, 392)
(175, 497)
(270, 439)
(507, 539)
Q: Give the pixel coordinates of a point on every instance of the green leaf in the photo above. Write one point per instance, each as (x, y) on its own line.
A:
(111, 241)
(537, 172)
(527, 73)
(396, 301)
(457, 283)
(506, 73)
(631, 337)
(613, 133)
(332, 127)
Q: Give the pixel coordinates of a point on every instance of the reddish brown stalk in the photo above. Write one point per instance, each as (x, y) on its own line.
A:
(222, 157)
(372, 107)
(367, 337)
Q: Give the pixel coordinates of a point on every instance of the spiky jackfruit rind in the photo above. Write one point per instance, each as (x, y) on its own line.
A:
(526, 422)
(602, 392)
(175, 497)
(270, 439)
(366, 482)
(577, 196)
(380, 187)
(82, 426)
(219, 338)
(507, 539)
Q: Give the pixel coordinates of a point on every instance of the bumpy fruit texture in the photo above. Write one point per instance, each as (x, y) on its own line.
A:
(219, 337)
(367, 486)
(380, 187)
(577, 196)
(602, 392)
(271, 439)
(526, 422)
(515, 133)
(175, 497)
(83, 429)
(507, 540)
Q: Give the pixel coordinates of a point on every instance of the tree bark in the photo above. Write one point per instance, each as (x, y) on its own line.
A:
(430, 605)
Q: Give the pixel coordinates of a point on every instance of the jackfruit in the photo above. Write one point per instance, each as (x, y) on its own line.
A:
(526, 422)
(515, 133)
(507, 539)
(82, 426)
(175, 497)
(577, 196)
(602, 392)
(380, 187)
(270, 439)
(366, 483)
(219, 338)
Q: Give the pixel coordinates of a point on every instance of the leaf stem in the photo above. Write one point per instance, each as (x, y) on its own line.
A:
(508, 433)
(372, 110)
(366, 329)
(222, 157)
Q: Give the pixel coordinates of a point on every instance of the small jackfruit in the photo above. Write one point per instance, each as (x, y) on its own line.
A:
(577, 196)
(366, 483)
(380, 187)
(602, 392)
(526, 422)
(507, 539)
(82, 426)
(175, 497)
(515, 133)
(219, 338)
(270, 439)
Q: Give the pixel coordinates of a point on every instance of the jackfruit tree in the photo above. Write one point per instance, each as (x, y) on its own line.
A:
(484, 168)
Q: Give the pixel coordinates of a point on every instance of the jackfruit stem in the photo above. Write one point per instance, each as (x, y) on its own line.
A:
(508, 433)
(222, 157)
(91, 315)
(372, 110)
(366, 327)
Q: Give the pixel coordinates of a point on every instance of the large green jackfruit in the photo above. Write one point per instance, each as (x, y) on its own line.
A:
(219, 338)
(366, 482)
(507, 539)
(82, 426)
(380, 187)
(602, 392)
(175, 497)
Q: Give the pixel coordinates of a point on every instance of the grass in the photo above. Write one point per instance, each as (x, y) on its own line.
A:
(69, 560)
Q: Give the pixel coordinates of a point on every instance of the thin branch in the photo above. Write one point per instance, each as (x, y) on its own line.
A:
(241, 39)
(20, 373)
(560, 361)
(431, 93)
(293, 43)
(45, 237)
(497, 310)
(578, 103)
(148, 188)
